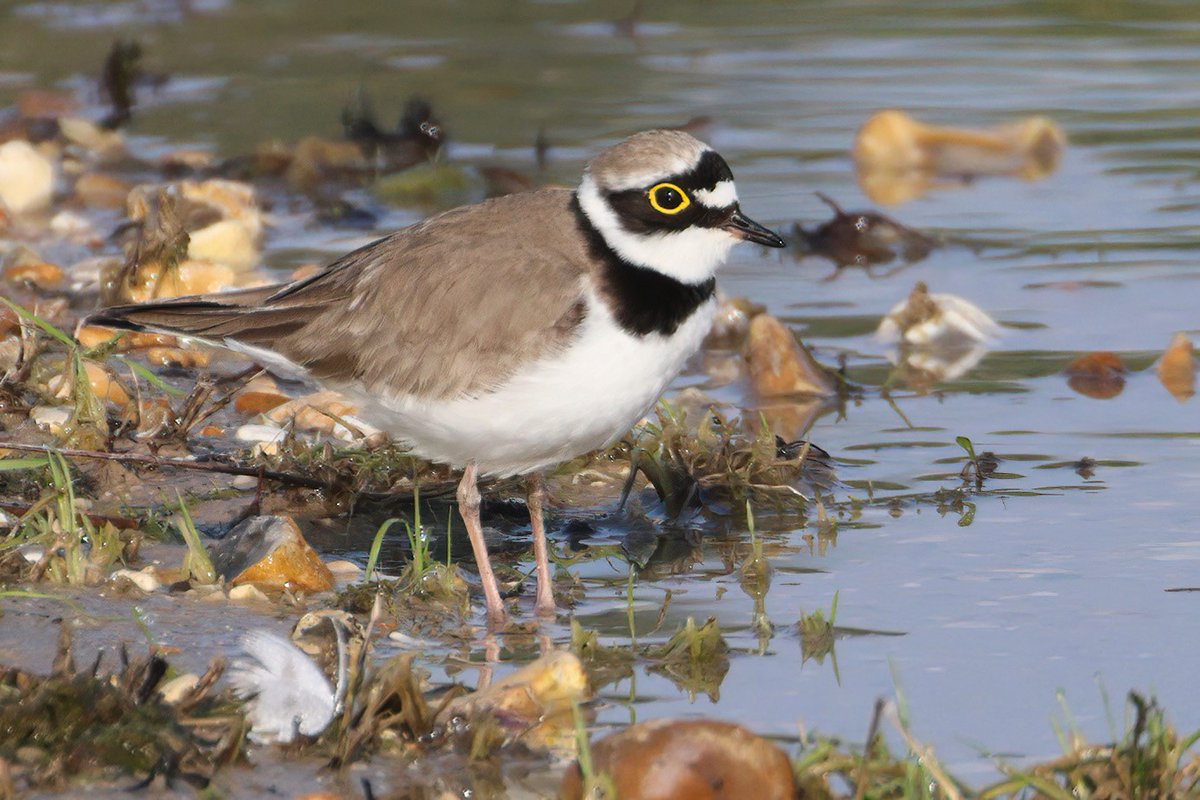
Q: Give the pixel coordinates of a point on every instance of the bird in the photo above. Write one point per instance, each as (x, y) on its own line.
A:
(506, 337)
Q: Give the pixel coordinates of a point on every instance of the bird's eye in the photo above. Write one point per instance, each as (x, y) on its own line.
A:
(668, 198)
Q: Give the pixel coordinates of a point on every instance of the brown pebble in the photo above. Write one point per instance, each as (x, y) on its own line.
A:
(175, 357)
(102, 384)
(212, 430)
(258, 402)
(97, 190)
(779, 365)
(94, 336)
(1177, 369)
(38, 273)
(290, 562)
(9, 322)
(1098, 375)
(688, 760)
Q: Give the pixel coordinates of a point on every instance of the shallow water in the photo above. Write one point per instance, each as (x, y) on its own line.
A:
(1058, 581)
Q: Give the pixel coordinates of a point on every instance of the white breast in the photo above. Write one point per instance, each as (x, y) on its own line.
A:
(552, 410)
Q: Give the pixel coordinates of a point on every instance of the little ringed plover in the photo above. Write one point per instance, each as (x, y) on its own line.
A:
(505, 337)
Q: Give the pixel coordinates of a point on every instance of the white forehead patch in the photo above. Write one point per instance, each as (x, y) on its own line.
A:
(723, 195)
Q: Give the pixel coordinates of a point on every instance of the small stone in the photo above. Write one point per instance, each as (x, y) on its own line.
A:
(97, 190)
(248, 593)
(271, 553)
(316, 413)
(693, 759)
(1098, 375)
(177, 357)
(102, 384)
(227, 242)
(52, 418)
(90, 136)
(258, 402)
(37, 273)
(343, 569)
(780, 365)
(93, 336)
(144, 579)
(534, 703)
(177, 688)
(1177, 368)
(266, 438)
(70, 225)
(26, 177)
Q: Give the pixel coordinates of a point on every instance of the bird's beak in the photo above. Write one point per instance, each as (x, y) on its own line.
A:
(747, 229)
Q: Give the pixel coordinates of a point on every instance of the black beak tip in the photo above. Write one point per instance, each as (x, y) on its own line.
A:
(745, 228)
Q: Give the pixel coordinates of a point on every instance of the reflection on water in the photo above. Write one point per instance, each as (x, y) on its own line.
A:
(1053, 574)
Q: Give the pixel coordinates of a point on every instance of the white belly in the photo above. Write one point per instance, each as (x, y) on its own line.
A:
(565, 405)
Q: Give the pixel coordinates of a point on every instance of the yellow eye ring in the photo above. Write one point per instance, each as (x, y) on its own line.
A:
(663, 194)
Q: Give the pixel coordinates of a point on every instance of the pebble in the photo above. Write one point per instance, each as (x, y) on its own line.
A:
(53, 418)
(98, 190)
(177, 357)
(144, 579)
(1177, 368)
(248, 593)
(102, 384)
(228, 242)
(26, 177)
(693, 759)
(779, 365)
(266, 438)
(70, 225)
(270, 552)
(43, 275)
(90, 136)
(250, 402)
(177, 688)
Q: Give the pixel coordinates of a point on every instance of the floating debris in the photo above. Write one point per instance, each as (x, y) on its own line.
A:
(862, 238)
(1098, 375)
(936, 321)
(899, 158)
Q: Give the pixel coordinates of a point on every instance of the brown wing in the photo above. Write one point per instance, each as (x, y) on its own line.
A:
(451, 305)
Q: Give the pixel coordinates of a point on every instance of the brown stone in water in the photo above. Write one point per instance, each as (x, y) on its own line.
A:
(97, 190)
(779, 365)
(1177, 369)
(688, 760)
(37, 273)
(271, 553)
(101, 382)
(1098, 375)
(258, 402)
(94, 336)
(176, 357)
(312, 413)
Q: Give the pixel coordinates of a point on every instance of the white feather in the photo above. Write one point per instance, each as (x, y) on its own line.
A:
(288, 693)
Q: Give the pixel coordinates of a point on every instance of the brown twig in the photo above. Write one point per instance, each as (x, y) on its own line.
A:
(156, 461)
(125, 523)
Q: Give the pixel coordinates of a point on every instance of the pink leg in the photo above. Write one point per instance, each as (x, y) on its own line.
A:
(541, 553)
(468, 508)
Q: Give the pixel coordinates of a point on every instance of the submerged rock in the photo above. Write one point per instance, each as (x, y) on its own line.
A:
(1177, 368)
(26, 177)
(780, 365)
(687, 760)
(1097, 375)
(271, 553)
